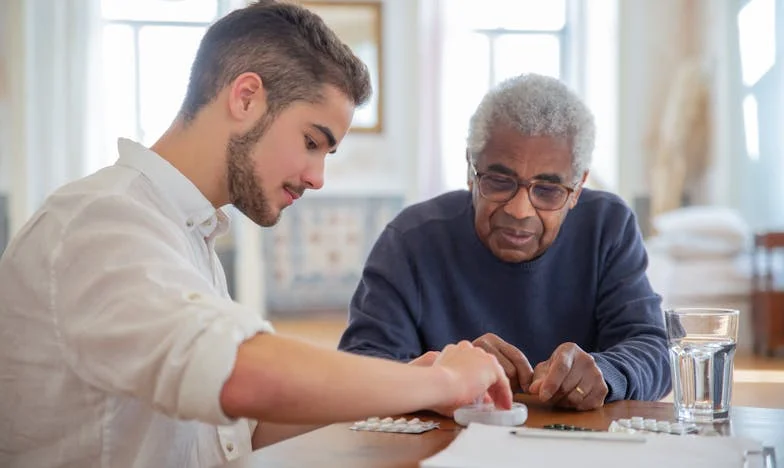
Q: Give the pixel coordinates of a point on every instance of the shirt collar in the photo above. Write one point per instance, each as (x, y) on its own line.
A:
(197, 212)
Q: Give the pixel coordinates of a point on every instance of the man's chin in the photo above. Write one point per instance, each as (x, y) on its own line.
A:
(513, 255)
(267, 219)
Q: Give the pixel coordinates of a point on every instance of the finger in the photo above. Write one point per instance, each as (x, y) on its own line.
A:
(523, 370)
(426, 359)
(592, 400)
(577, 394)
(500, 391)
(540, 371)
(560, 366)
(573, 378)
(509, 369)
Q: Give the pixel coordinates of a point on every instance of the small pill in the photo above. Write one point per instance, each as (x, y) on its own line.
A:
(414, 421)
(400, 421)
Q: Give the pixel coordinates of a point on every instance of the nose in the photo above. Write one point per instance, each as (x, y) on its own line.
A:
(313, 177)
(520, 206)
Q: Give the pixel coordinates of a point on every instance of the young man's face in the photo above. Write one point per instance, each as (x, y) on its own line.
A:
(514, 230)
(268, 174)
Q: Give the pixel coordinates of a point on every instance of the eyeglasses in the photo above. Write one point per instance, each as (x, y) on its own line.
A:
(500, 188)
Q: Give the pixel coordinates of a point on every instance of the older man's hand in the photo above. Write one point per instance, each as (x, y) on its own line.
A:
(513, 361)
(570, 378)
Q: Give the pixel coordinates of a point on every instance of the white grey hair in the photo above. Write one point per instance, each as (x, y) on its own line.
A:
(535, 105)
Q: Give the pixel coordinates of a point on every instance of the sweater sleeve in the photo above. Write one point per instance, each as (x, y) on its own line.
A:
(632, 343)
(383, 311)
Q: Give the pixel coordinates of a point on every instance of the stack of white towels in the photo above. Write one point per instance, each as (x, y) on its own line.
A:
(701, 256)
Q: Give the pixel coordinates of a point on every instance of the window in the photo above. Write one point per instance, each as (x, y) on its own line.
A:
(487, 42)
(149, 46)
(757, 41)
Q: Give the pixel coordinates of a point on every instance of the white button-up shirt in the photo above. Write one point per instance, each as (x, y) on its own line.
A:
(117, 332)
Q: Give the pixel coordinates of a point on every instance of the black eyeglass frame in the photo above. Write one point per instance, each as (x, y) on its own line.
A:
(528, 184)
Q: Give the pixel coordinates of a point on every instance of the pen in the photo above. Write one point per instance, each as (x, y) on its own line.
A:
(600, 436)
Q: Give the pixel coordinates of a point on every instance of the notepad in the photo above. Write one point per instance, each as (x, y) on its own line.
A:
(481, 446)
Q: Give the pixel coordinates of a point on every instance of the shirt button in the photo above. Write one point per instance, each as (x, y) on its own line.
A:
(230, 447)
(189, 223)
(194, 297)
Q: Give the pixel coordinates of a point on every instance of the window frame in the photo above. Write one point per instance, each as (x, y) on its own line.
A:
(136, 25)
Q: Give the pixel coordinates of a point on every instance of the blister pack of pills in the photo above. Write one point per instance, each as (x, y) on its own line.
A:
(639, 424)
(568, 428)
(401, 425)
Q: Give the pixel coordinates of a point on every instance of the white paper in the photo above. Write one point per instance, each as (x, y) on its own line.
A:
(481, 446)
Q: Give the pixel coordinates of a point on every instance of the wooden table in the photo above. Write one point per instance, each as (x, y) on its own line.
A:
(337, 446)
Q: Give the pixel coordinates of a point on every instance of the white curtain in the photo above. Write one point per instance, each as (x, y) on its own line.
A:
(52, 51)
(430, 163)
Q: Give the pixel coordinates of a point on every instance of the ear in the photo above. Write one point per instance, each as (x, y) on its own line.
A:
(469, 178)
(578, 190)
(247, 98)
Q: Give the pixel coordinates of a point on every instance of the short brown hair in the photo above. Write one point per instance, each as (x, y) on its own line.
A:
(289, 47)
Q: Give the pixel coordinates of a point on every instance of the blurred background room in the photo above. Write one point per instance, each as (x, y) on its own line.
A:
(688, 97)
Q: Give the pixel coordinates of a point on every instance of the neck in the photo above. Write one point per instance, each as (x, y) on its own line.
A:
(198, 151)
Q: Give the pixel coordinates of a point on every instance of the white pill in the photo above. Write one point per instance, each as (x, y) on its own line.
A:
(374, 419)
(400, 421)
(414, 421)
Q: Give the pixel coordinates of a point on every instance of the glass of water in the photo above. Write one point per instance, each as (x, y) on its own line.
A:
(702, 347)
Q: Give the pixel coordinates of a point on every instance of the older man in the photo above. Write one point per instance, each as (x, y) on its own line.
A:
(527, 263)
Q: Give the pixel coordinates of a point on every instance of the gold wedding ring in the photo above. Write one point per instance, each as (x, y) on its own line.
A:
(579, 390)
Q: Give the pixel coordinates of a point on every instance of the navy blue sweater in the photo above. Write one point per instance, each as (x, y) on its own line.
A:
(429, 282)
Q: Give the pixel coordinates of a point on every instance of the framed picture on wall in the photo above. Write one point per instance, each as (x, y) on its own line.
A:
(358, 24)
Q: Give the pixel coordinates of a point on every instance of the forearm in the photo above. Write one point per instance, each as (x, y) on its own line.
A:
(636, 369)
(279, 380)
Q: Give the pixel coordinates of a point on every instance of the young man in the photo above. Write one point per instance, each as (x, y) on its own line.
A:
(119, 345)
(527, 263)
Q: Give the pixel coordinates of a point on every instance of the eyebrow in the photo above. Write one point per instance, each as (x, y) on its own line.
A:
(546, 177)
(331, 141)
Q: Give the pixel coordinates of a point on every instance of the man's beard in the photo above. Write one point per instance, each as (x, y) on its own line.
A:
(246, 193)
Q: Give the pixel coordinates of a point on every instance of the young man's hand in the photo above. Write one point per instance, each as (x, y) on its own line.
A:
(473, 373)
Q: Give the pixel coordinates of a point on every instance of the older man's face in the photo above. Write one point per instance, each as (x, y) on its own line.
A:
(516, 231)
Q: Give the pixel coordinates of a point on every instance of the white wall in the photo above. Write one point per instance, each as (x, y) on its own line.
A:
(385, 163)
(4, 121)
(5, 36)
